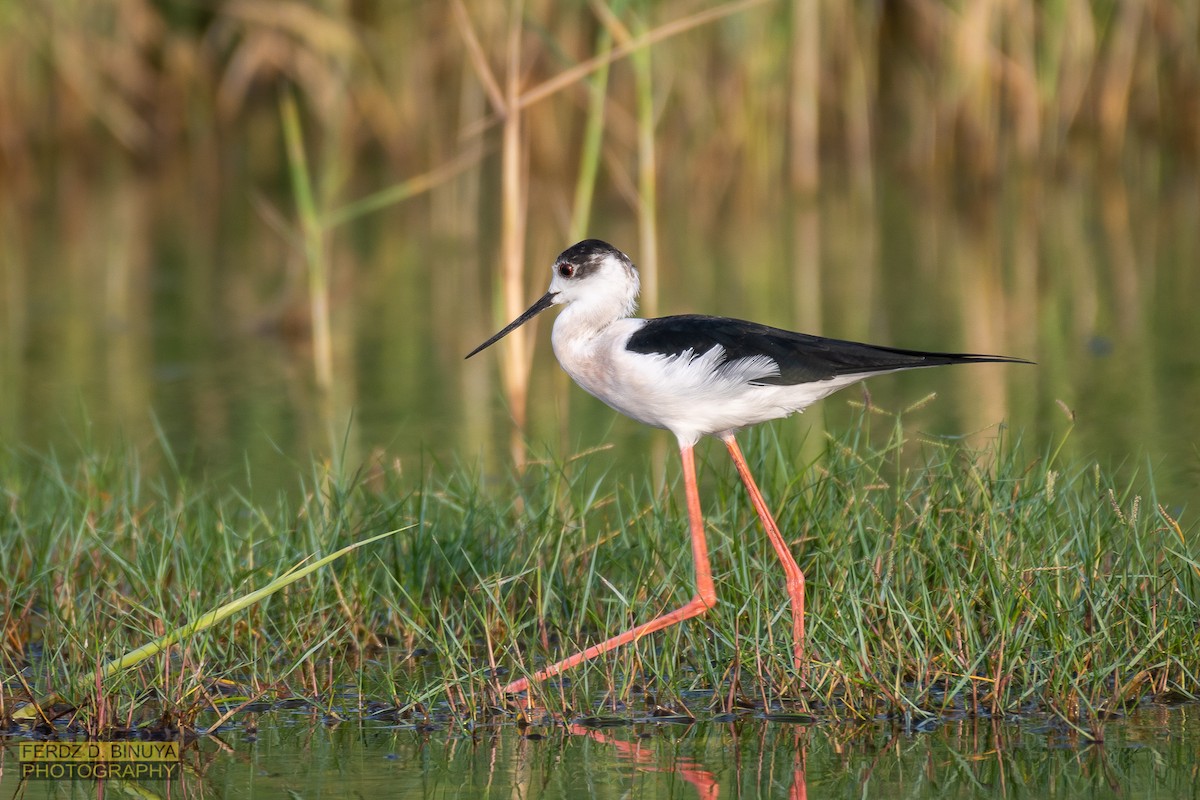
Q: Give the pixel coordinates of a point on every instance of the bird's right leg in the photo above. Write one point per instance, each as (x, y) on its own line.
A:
(706, 594)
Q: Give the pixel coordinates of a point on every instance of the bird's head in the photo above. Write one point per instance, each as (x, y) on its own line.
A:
(592, 273)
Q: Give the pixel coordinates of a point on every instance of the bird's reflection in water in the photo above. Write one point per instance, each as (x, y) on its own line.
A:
(643, 754)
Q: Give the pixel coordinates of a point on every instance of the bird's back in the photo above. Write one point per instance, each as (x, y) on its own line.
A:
(800, 357)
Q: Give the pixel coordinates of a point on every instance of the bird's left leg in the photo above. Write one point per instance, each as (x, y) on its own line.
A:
(795, 578)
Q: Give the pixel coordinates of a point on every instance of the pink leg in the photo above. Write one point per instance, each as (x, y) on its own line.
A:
(706, 595)
(795, 578)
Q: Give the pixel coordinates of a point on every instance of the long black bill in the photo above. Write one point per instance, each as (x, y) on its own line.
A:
(541, 305)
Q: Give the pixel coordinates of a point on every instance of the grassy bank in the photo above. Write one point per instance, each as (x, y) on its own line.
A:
(942, 580)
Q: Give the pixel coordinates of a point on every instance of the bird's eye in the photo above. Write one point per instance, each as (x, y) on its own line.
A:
(566, 270)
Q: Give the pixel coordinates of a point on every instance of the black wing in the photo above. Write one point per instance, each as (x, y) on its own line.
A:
(802, 357)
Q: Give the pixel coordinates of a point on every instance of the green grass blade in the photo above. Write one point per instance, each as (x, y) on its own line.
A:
(30, 710)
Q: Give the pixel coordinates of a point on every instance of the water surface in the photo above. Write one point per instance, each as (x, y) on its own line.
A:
(137, 313)
(1149, 754)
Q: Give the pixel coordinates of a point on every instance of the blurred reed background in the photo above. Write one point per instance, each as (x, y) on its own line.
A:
(236, 226)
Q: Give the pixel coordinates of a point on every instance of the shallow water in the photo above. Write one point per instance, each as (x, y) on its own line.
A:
(1149, 754)
(164, 330)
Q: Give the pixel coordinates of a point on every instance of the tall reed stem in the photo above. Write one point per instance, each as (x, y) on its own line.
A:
(313, 236)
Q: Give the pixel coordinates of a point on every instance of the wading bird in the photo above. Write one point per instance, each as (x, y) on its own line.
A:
(695, 376)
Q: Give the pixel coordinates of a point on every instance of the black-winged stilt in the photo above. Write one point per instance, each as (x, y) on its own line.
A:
(696, 375)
